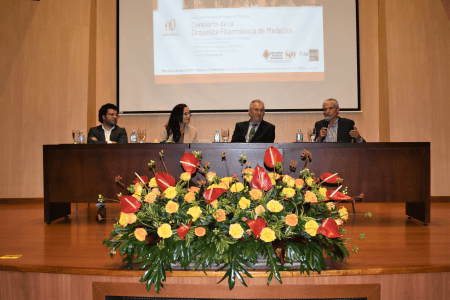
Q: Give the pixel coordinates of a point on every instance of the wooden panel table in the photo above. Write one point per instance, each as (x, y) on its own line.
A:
(384, 172)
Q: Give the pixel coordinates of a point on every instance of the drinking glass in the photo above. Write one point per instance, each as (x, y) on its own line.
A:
(75, 136)
(142, 135)
(225, 134)
(311, 134)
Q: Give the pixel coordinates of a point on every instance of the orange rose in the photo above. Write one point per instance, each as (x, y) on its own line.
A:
(200, 231)
(259, 209)
(194, 189)
(189, 197)
(310, 197)
(220, 215)
(140, 234)
(172, 207)
(156, 191)
(291, 220)
(150, 198)
(299, 183)
(255, 194)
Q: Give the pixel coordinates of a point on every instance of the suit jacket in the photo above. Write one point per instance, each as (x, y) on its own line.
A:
(118, 135)
(190, 135)
(264, 134)
(344, 128)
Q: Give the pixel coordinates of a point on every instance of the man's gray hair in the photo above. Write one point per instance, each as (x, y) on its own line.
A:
(256, 101)
(331, 100)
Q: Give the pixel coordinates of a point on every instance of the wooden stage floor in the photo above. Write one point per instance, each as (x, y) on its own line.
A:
(394, 244)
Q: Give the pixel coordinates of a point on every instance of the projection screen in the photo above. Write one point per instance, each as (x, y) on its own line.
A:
(218, 55)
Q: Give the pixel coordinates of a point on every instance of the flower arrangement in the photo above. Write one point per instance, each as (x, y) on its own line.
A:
(229, 223)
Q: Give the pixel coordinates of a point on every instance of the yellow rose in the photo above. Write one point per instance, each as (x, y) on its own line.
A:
(216, 186)
(236, 231)
(137, 189)
(195, 212)
(273, 177)
(210, 176)
(220, 215)
(164, 231)
(330, 205)
(289, 192)
(244, 203)
(131, 218)
(291, 182)
(227, 181)
(268, 235)
(343, 213)
(150, 198)
(339, 222)
(259, 209)
(123, 219)
(172, 207)
(170, 192)
(299, 183)
(126, 219)
(287, 178)
(255, 194)
(152, 183)
(214, 204)
(189, 197)
(311, 227)
(323, 191)
(237, 187)
(248, 174)
(291, 220)
(186, 176)
(309, 181)
(140, 234)
(274, 206)
(200, 231)
(310, 197)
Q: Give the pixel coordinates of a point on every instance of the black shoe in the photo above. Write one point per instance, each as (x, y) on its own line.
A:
(101, 214)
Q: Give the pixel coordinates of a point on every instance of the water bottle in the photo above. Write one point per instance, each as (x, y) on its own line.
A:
(81, 137)
(217, 136)
(133, 137)
(299, 136)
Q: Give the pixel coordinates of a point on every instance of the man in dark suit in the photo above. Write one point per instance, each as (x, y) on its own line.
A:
(108, 132)
(256, 130)
(335, 128)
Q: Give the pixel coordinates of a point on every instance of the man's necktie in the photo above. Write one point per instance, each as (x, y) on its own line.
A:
(252, 133)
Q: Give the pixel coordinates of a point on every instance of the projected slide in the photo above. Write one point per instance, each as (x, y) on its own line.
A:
(218, 55)
(237, 44)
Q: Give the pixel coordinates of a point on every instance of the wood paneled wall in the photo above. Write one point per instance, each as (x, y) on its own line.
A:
(57, 68)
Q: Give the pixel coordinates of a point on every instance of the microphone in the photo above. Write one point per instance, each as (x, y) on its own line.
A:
(327, 120)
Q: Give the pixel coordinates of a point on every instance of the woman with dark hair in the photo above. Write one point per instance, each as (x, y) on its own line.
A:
(177, 130)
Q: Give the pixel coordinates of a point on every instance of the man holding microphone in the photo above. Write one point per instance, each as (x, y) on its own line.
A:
(334, 128)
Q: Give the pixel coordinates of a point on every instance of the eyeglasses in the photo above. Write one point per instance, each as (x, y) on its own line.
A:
(112, 115)
(187, 114)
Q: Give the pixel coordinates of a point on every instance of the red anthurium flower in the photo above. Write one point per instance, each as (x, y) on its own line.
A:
(212, 194)
(257, 226)
(272, 157)
(338, 196)
(189, 162)
(329, 178)
(183, 230)
(329, 228)
(164, 180)
(261, 179)
(129, 204)
(144, 178)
